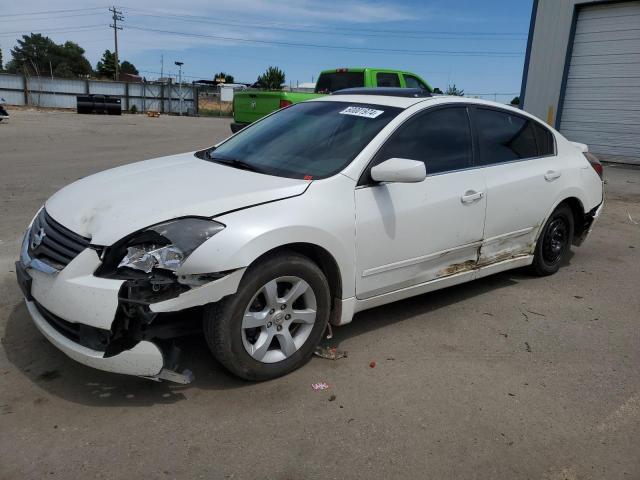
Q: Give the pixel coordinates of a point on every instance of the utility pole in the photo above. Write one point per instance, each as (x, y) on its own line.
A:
(117, 16)
(179, 64)
(161, 66)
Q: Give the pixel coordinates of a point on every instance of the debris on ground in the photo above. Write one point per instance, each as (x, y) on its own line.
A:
(320, 386)
(330, 353)
(332, 398)
(372, 364)
(527, 347)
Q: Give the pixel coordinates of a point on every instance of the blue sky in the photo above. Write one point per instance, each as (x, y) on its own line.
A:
(489, 38)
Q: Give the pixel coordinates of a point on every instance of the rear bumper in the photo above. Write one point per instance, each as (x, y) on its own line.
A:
(145, 359)
(589, 220)
(236, 127)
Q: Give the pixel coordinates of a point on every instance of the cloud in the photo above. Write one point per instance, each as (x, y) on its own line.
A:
(328, 14)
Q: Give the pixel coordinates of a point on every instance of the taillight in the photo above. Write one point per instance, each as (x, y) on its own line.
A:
(285, 103)
(595, 163)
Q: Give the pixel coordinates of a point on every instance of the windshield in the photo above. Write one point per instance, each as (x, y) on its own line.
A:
(332, 82)
(308, 140)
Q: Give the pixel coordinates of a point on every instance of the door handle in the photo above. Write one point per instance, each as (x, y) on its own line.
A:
(471, 196)
(552, 175)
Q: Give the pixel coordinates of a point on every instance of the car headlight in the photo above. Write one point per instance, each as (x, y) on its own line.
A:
(167, 245)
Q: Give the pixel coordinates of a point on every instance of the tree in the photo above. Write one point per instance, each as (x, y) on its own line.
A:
(272, 79)
(39, 55)
(128, 67)
(455, 91)
(1, 60)
(515, 101)
(106, 66)
(227, 78)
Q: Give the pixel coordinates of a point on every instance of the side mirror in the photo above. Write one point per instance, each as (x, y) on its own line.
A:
(399, 170)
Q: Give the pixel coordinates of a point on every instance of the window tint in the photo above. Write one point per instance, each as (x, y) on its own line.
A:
(387, 79)
(504, 137)
(413, 82)
(331, 82)
(441, 139)
(546, 145)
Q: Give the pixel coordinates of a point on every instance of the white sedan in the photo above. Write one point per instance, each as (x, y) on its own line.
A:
(316, 212)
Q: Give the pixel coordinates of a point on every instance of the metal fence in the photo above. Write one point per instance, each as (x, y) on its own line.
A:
(62, 92)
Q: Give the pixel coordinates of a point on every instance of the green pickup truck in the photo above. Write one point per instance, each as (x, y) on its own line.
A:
(251, 105)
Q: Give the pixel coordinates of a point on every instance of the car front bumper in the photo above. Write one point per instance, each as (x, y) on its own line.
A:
(75, 310)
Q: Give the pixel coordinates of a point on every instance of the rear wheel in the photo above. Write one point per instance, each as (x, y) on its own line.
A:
(554, 242)
(271, 326)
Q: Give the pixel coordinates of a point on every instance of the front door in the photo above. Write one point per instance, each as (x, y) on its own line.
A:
(411, 233)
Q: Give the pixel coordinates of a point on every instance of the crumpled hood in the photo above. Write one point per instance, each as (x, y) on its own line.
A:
(112, 204)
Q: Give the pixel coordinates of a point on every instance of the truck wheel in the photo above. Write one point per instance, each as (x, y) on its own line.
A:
(272, 324)
(554, 242)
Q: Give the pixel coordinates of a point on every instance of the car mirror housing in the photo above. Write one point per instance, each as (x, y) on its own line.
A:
(399, 170)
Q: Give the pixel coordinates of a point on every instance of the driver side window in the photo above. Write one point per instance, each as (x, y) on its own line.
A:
(441, 139)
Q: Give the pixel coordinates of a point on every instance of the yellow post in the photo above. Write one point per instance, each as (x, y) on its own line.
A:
(550, 116)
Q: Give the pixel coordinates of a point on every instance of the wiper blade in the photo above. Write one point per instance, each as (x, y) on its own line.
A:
(234, 162)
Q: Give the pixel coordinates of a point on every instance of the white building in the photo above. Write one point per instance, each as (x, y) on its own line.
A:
(582, 73)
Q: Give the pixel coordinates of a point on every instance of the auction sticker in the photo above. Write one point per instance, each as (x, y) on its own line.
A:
(362, 112)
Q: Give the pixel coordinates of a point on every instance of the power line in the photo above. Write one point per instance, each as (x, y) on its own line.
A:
(42, 12)
(338, 30)
(52, 30)
(53, 18)
(465, 53)
(349, 33)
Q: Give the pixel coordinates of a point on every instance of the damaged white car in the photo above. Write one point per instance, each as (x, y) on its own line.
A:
(316, 212)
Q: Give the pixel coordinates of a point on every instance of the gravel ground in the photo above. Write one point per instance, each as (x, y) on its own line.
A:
(507, 377)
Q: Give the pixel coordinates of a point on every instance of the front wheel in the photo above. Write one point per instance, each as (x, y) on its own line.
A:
(272, 324)
(554, 243)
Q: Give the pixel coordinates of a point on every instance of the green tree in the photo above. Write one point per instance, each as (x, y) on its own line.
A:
(271, 79)
(227, 78)
(455, 91)
(71, 61)
(106, 66)
(515, 101)
(1, 69)
(39, 55)
(128, 67)
(33, 53)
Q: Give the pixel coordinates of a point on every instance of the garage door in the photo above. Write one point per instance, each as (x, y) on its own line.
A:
(602, 97)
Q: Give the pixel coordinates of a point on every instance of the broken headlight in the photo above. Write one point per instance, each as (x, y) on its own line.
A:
(167, 245)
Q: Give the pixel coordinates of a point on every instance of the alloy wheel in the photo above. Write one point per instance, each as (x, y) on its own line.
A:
(279, 319)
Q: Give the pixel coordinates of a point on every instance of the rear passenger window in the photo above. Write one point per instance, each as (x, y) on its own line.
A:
(441, 139)
(504, 137)
(546, 144)
(387, 79)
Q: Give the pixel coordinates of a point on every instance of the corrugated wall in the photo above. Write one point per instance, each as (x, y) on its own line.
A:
(62, 92)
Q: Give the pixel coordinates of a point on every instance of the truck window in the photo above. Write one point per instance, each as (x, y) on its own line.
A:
(387, 79)
(412, 82)
(334, 81)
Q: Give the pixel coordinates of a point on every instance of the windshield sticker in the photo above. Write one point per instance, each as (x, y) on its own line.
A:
(362, 112)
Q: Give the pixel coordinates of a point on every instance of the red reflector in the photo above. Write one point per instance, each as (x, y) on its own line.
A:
(308, 177)
(285, 103)
(341, 70)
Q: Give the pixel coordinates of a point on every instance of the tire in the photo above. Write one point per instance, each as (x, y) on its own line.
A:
(240, 347)
(554, 243)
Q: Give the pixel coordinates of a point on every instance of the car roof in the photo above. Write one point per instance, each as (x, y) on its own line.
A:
(406, 102)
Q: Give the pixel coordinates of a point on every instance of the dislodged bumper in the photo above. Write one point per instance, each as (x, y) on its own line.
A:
(145, 359)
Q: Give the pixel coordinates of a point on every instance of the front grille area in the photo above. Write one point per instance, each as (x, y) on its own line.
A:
(52, 243)
(90, 337)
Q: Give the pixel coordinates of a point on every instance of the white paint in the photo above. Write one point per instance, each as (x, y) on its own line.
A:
(390, 241)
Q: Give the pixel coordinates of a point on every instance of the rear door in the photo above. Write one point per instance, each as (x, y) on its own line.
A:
(523, 175)
(251, 106)
(412, 233)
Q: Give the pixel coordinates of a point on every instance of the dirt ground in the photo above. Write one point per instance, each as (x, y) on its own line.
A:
(508, 377)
